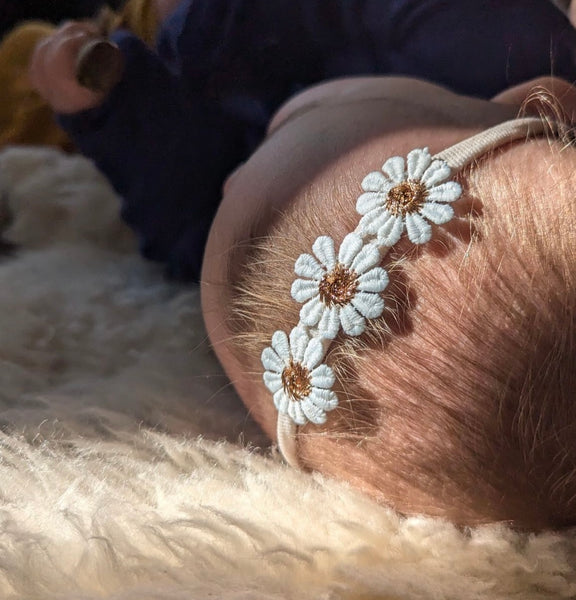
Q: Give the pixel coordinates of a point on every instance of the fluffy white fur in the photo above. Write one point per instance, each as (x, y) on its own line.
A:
(125, 463)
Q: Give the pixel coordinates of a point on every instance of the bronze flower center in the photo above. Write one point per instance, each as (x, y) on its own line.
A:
(405, 198)
(296, 380)
(338, 286)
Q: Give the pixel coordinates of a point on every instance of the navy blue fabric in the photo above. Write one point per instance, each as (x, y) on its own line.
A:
(184, 116)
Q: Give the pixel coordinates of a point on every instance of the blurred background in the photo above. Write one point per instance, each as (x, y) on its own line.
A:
(54, 11)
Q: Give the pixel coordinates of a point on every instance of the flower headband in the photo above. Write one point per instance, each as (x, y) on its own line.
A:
(339, 289)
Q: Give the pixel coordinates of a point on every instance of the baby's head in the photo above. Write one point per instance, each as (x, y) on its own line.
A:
(457, 400)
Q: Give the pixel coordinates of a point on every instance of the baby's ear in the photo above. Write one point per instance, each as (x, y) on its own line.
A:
(544, 95)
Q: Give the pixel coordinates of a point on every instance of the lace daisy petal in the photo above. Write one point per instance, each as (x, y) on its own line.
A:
(351, 246)
(296, 414)
(436, 173)
(368, 257)
(369, 305)
(312, 412)
(352, 321)
(437, 213)
(299, 341)
(370, 201)
(419, 231)
(313, 354)
(375, 280)
(390, 231)
(323, 248)
(312, 311)
(281, 401)
(303, 289)
(325, 399)
(370, 223)
(329, 323)
(445, 192)
(281, 345)
(307, 266)
(394, 168)
(375, 182)
(322, 377)
(273, 381)
(271, 361)
(417, 162)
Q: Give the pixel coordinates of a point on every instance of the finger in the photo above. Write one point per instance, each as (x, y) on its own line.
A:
(70, 27)
(64, 51)
(36, 64)
(53, 71)
(50, 54)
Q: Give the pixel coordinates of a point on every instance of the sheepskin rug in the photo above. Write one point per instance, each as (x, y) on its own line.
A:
(128, 468)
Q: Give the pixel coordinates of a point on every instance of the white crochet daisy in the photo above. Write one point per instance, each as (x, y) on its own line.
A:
(300, 384)
(405, 197)
(340, 291)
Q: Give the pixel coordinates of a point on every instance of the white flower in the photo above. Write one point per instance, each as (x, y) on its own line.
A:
(300, 384)
(339, 291)
(399, 199)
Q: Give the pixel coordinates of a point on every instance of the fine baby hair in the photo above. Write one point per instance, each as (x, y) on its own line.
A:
(436, 377)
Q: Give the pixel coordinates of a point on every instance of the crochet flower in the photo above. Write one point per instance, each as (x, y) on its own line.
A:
(300, 384)
(400, 198)
(339, 291)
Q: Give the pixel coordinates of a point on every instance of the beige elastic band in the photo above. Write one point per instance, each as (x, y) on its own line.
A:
(457, 157)
(286, 431)
(463, 153)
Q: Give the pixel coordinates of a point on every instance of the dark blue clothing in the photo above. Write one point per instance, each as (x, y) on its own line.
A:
(184, 117)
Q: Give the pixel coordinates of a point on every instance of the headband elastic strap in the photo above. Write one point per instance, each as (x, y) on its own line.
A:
(463, 153)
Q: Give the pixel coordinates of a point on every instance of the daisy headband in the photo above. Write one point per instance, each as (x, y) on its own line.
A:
(340, 288)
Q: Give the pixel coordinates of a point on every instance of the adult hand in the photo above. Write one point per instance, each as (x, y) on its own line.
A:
(53, 68)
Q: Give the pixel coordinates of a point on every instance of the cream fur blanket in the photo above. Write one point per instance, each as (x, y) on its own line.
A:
(129, 470)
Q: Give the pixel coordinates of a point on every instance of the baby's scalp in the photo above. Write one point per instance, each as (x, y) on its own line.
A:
(458, 400)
